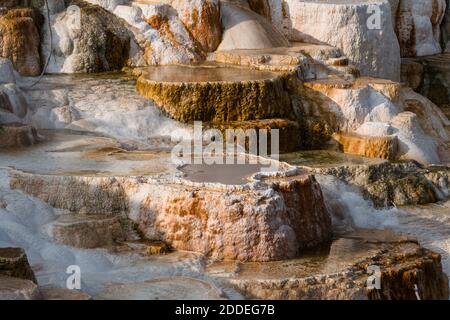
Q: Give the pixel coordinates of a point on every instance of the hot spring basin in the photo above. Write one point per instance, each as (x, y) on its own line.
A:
(72, 153)
(204, 73)
(216, 92)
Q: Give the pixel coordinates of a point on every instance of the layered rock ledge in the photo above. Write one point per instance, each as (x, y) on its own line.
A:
(342, 271)
(344, 24)
(17, 135)
(215, 93)
(256, 221)
(14, 263)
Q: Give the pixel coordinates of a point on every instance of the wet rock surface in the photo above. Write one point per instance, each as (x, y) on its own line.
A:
(63, 294)
(280, 220)
(216, 93)
(163, 289)
(116, 205)
(401, 183)
(341, 272)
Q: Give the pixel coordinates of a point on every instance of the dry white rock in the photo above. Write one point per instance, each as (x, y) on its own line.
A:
(245, 29)
(344, 24)
(161, 32)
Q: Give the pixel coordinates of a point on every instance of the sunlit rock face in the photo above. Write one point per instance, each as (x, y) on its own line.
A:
(344, 24)
(161, 33)
(374, 107)
(383, 147)
(418, 26)
(245, 29)
(202, 19)
(20, 40)
(87, 38)
(275, 220)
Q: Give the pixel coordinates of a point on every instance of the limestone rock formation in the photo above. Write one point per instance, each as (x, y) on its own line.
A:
(14, 263)
(384, 147)
(403, 264)
(13, 109)
(311, 61)
(375, 107)
(290, 133)
(20, 40)
(161, 33)
(18, 289)
(202, 19)
(418, 27)
(87, 38)
(216, 93)
(16, 135)
(400, 183)
(276, 220)
(87, 231)
(344, 24)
